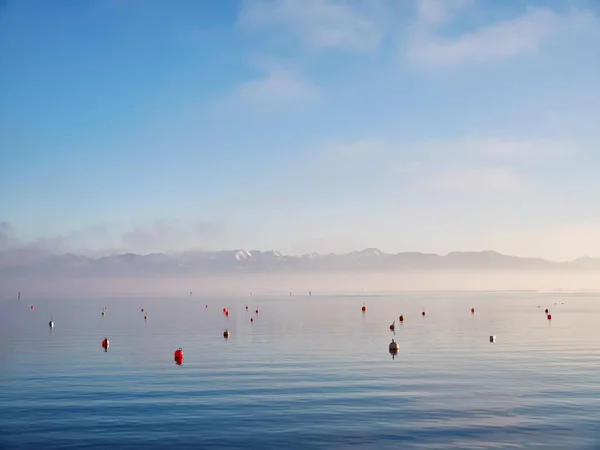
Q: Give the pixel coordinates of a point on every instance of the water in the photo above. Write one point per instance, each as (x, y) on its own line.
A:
(308, 373)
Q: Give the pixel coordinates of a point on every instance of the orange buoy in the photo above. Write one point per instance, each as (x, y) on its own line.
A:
(401, 318)
(549, 316)
(226, 334)
(32, 307)
(472, 310)
(178, 355)
(105, 344)
(364, 308)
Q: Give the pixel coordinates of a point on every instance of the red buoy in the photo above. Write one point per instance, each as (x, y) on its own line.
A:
(251, 319)
(246, 307)
(178, 356)
(105, 344)
(549, 316)
(227, 313)
(423, 313)
(393, 326)
(224, 310)
(32, 307)
(472, 310)
(546, 310)
(256, 311)
(142, 309)
(364, 308)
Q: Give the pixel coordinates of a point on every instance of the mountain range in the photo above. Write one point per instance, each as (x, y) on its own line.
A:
(31, 262)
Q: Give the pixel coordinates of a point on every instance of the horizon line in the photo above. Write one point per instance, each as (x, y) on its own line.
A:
(278, 253)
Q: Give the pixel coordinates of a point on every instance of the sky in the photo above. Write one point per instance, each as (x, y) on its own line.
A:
(301, 126)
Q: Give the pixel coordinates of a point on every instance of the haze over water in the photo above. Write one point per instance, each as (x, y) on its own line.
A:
(308, 373)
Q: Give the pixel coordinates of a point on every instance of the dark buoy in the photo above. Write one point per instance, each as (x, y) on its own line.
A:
(146, 317)
(102, 312)
(178, 355)
(394, 347)
(393, 326)
(105, 344)
(423, 313)
(142, 309)
(251, 319)
(226, 334)
(546, 310)
(246, 307)
(51, 324)
(401, 318)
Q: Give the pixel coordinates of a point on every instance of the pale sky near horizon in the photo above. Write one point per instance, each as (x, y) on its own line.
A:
(313, 125)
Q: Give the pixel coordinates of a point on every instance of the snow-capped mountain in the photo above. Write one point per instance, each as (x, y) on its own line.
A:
(17, 263)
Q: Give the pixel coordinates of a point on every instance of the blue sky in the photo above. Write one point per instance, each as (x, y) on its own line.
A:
(314, 125)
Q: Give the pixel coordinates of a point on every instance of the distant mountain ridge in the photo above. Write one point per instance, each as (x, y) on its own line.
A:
(25, 262)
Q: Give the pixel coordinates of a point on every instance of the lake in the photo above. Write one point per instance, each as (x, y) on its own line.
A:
(309, 372)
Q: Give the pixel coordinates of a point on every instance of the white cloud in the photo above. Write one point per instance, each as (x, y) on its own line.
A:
(497, 164)
(534, 150)
(357, 150)
(477, 178)
(562, 242)
(509, 38)
(437, 11)
(279, 87)
(320, 24)
(160, 235)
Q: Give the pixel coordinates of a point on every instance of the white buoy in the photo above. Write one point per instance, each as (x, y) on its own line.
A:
(492, 338)
(394, 347)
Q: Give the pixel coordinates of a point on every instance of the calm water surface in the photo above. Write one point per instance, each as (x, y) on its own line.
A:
(308, 373)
